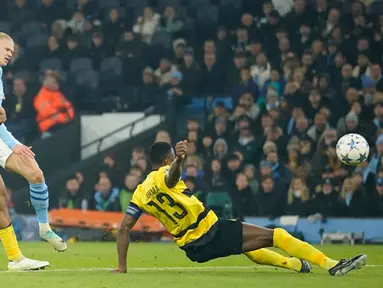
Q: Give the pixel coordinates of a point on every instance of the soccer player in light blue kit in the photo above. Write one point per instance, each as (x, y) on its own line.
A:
(20, 159)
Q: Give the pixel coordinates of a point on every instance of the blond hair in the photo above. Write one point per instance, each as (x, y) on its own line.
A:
(5, 36)
(305, 193)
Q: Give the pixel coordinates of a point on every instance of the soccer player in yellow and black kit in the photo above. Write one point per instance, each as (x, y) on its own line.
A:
(198, 231)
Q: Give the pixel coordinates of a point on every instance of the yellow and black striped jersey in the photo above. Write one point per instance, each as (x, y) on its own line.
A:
(182, 214)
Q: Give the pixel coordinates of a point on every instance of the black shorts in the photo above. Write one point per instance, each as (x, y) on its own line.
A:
(223, 239)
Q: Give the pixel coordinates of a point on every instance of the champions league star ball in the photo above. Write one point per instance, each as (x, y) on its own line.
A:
(352, 149)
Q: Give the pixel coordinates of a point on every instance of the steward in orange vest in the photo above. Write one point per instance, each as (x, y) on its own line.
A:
(52, 107)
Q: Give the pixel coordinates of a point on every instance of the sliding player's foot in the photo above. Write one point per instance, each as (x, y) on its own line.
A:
(306, 267)
(51, 237)
(27, 264)
(345, 266)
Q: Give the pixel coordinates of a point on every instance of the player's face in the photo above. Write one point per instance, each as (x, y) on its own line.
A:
(7, 47)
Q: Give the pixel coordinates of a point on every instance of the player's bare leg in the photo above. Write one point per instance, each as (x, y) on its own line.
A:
(255, 237)
(30, 170)
(16, 260)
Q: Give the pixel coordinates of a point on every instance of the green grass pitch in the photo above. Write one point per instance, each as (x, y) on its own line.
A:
(164, 265)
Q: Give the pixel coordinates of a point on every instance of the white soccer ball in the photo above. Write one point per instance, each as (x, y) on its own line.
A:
(352, 149)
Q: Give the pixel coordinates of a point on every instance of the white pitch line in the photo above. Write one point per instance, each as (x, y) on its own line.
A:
(158, 269)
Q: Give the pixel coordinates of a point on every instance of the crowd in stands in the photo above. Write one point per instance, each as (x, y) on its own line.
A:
(284, 82)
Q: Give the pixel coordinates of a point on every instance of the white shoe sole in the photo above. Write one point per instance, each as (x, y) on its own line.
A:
(357, 265)
(34, 268)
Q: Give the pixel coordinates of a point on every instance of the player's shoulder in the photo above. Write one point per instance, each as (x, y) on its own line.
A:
(158, 174)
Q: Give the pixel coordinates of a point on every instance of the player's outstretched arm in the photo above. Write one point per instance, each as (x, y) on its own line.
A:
(174, 173)
(123, 234)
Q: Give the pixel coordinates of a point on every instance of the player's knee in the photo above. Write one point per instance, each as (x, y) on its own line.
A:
(36, 176)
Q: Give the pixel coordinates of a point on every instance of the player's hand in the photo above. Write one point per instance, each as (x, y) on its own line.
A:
(119, 270)
(181, 149)
(22, 150)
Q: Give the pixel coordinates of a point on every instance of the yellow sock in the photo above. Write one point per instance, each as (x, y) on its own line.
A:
(268, 257)
(301, 250)
(8, 238)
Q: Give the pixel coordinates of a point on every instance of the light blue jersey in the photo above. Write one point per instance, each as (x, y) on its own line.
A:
(5, 135)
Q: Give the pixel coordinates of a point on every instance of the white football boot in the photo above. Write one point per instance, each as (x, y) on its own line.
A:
(27, 264)
(55, 240)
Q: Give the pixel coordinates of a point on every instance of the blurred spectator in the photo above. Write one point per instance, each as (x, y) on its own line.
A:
(249, 171)
(130, 184)
(276, 83)
(106, 197)
(80, 178)
(129, 47)
(162, 136)
(110, 169)
(298, 198)
(20, 112)
(326, 202)
(170, 21)
(99, 49)
(165, 72)
(191, 183)
(246, 142)
(73, 50)
(52, 107)
(216, 179)
(147, 24)
(138, 152)
(54, 48)
(132, 50)
(246, 84)
(244, 196)
(277, 166)
(261, 70)
(222, 44)
(143, 164)
(19, 104)
(376, 201)
(148, 93)
(72, 197)
(191, 71)
(175, 92)
(270, 200)
(77, 23)
(319, 127)
(212, 75)
(179, 51)
(233, 74)
(353, 199)
(248, 22)
(136, 171)
(112, 27)
(220, 149)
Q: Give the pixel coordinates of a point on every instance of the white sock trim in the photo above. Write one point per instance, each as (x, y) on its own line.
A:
(44, 227)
